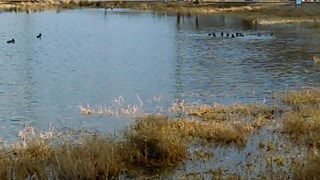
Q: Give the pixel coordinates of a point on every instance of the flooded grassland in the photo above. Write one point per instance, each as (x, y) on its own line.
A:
(208, 141)
(131, 94)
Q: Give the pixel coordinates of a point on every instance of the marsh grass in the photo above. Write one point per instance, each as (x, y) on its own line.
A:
(302, 97)
(190, 130)
(154, 144)
(96, 156)
(303, 120)
(308, 169)
(222, 113)
(150, 144)
(302, 123)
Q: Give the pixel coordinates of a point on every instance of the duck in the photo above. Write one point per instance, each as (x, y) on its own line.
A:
(39, 36)
(232, 36)
(212, 34)
(12, 41)
(222, 34)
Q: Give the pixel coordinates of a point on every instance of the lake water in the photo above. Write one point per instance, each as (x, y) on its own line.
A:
(89, 57)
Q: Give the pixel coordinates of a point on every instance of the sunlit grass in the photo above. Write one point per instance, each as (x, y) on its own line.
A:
(190, 130)
(96, 156)
(152, 142)
(238, 111)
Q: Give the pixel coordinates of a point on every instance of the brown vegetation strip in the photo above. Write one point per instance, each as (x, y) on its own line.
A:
(261, 13)
(154, 143)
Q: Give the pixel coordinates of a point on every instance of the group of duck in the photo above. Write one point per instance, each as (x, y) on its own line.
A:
(12, 41)
(233, 35)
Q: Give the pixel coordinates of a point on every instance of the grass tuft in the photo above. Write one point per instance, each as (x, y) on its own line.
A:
(152, 143)
(305, 96)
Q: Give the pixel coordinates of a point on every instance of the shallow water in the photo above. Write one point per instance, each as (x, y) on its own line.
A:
(89, 57)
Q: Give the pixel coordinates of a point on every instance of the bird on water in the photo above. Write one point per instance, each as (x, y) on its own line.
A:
(12, 41)
(39, 36)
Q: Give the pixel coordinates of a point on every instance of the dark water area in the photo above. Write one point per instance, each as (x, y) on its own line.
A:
(89, 57)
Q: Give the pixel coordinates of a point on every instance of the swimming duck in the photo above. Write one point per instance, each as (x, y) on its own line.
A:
(221, 33)
(12, 41)
(212, 34)
(39, 36)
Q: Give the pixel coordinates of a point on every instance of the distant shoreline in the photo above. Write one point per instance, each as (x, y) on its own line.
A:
(255, 13)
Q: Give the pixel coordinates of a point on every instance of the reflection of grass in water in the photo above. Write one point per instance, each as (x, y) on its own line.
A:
(155, 143)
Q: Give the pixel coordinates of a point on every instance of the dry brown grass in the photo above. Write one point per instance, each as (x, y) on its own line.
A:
(96, 156)
(238, 111)
(308, 169)
(150, 144)
(154, 143)
(5, 164)
(21, 163)
(303, 121)
(223, 132)
(304, 96)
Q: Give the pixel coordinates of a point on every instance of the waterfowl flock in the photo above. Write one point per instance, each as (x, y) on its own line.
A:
(13, 41)
(237, 34)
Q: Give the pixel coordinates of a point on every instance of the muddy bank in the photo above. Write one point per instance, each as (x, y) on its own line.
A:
(255, 13)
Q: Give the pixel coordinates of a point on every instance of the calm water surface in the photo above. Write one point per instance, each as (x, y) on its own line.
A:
(87, 57)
